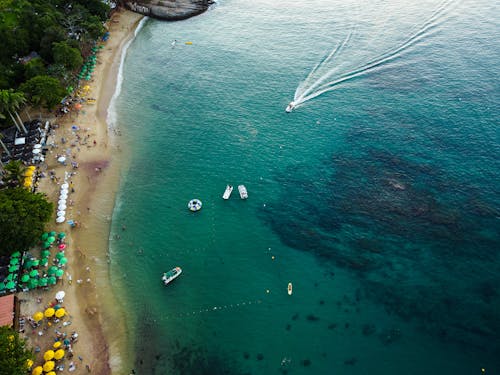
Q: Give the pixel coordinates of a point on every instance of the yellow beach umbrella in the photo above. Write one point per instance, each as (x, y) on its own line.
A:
(49, 312)
(37, 370)
(31, 168)
(38, 316)
(49, 354)
(57, 344)
(60, 312)
(29, 173)
(49, 366)
(29, 363)
(59, 354)
(51, 373)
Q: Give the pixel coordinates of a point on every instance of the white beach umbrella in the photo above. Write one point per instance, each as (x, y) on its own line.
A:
(63, 195)
(60, 219)
(61, 201)
(65, 186)
(38, 145)
(61, 207)
(61, 213)
(64, 191)
(61, 159)
(60, 294)
(36, 151)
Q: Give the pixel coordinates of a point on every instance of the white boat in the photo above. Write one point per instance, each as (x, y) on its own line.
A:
(243, 191)
(290, 107)
(290, 289)
(227, 192)
(194, 205)
(171, 275)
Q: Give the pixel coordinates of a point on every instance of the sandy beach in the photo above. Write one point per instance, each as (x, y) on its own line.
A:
(93, 311)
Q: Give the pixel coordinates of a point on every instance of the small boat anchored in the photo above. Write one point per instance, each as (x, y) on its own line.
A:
(243, 191)
(290, 107)
(290, 289)
(227, 192)
(171, 275)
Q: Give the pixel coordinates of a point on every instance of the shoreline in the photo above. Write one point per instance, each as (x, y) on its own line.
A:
(95, 312)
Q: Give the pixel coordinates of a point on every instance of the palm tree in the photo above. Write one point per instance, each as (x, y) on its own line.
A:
(10, 101)
(14, 172)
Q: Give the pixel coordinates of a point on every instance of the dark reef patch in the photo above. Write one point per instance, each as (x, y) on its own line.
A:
(421, 241)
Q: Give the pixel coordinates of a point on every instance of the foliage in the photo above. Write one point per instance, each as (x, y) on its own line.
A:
(14, 173)
(14, 355)
(43, 91)
(23, 216)
(66, 55)
(10, 101)
(33, 68)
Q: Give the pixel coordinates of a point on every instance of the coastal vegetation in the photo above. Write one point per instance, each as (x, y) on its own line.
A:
(23, 216)
(44, 43)
(15, 358)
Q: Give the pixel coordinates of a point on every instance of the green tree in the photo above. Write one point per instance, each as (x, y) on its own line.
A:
(34, 67)
(10, 102)
(23, 216)
(14, 355)
(66, 55)
(43, 91)
(14, 173)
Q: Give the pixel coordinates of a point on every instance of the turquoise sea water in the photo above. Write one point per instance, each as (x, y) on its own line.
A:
(377, 199)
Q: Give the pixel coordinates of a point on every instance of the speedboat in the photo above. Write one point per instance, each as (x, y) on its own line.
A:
(171, 275)
(290, 289)
(227, 192)
(290, 107)
(243, 191)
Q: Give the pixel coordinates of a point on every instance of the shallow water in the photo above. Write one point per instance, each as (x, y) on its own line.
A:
(377, 199)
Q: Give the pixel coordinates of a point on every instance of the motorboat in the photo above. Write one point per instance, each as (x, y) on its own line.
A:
(290, 107)
(290, 289)
(243, 191)
(227, 192)
(171, 275)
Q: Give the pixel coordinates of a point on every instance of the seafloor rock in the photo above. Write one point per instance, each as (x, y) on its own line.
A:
(170, 10)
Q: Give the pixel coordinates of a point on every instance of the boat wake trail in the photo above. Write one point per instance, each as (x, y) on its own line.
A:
(324, 77)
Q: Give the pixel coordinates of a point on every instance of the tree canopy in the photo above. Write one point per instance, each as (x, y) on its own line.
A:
(14, 355)
(43, 91)
(23, 216)
(66, 55)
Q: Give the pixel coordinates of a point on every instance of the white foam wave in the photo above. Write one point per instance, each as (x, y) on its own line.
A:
(111, 117)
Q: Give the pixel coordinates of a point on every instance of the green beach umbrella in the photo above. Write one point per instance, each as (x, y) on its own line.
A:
(43, 281)
(44, 262)
(34, 273)
(63, 261)
(59, 273)
(45, 253)
(28, 264)
(25, 278)
(61, 235)
(44, 236)
(14, 261)
(2, 286)
(51, 239)
(35, 262)
(46, 245)
(13, 268)
(9, 277)
(52, 280)
(60, 255)
(32, 283)
(52, 233)
(17, 254)
(52, 270)
(10, 285)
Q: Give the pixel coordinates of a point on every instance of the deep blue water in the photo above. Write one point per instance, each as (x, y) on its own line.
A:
(378, 199)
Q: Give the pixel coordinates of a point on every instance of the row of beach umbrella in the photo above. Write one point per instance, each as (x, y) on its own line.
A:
(61, 204)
